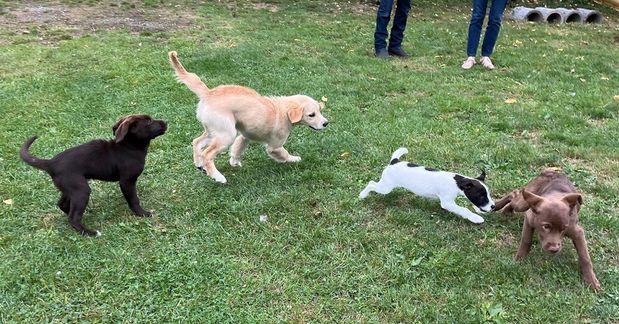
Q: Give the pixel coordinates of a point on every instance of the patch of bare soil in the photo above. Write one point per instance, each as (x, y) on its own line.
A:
(364, 8)
(265, 6)
(50, 22)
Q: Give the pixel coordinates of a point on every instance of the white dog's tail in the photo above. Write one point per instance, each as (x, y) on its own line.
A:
(395, 157)
(191, 80)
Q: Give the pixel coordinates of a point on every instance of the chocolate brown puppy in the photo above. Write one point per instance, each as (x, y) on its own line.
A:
(121, 159)
(552, 204)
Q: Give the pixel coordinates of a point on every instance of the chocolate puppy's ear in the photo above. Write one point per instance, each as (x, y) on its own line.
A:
(121, 129)
(532, 200)
(572, 199)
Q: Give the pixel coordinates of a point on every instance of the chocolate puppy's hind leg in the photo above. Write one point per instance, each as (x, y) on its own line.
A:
(503, 202)
(78, 193)
(513, 202)
(64, 204)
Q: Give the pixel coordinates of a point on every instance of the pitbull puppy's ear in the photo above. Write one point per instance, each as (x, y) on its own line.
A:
(482, 176)
(532, 200)
(572, 199)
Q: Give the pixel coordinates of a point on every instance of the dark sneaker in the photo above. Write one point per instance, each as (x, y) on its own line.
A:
(398, 52)
(382, 54)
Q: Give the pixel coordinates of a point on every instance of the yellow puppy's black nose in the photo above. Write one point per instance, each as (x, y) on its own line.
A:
(325, 124)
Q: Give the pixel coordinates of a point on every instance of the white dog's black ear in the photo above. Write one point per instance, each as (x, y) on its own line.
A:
(463, 183)
(482, 176)
(295, 114)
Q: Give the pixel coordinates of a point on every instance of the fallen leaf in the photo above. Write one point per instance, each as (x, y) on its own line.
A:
(511, 101)
(616, 98)
(604, 78)
(324, 99)
(8, 201)
(345, 155)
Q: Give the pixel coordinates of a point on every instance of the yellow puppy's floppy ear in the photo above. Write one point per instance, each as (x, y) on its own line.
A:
(295, 114)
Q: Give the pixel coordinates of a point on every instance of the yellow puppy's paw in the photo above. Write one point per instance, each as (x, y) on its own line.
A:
(235, 162)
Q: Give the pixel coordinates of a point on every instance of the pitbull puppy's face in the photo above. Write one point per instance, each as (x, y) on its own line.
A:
(552, 218)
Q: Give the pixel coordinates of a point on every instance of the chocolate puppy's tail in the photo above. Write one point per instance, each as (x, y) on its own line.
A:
(34, 161)
(395, 157)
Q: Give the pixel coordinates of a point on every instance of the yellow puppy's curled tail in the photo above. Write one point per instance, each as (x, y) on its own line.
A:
(191, 80)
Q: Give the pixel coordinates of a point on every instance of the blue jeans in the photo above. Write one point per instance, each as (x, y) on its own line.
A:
(399, 23)
(492, 30)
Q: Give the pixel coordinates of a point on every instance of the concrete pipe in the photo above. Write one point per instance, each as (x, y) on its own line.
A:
(570, 15)
(590, 16)
(527, 14)
(551, 16)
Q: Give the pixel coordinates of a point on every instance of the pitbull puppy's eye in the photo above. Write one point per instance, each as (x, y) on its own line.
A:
(546, 227)
(312, 115)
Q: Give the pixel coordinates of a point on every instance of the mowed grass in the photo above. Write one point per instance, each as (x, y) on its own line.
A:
(322, 255)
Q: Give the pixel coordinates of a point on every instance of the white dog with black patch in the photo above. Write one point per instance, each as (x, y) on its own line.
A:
(430, 183)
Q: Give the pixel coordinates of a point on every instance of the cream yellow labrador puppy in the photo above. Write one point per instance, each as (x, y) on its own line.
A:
(234, 115)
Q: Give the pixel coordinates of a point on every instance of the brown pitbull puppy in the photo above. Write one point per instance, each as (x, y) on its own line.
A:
(552, 204)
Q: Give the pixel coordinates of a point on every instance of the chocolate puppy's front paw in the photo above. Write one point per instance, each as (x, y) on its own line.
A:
(592, 281)
(142, 213)
(87, 232)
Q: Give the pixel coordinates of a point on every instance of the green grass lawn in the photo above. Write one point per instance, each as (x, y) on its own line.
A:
(323, 255)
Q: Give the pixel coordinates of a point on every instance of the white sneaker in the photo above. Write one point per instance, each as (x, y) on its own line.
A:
(470, 61)
(485, 61)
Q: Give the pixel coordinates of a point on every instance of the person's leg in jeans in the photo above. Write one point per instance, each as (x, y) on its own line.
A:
(399, 24)
(494, 26)
(477, 20)
(382, 20)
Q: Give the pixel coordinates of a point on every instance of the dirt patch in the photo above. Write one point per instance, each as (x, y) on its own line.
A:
(50, 22)
(266, 6)
(364, 8)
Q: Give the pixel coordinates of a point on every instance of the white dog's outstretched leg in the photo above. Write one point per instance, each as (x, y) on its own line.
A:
(280, 154)
(237, 149)
(366, 191)
(451, 206)
(382, 187)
